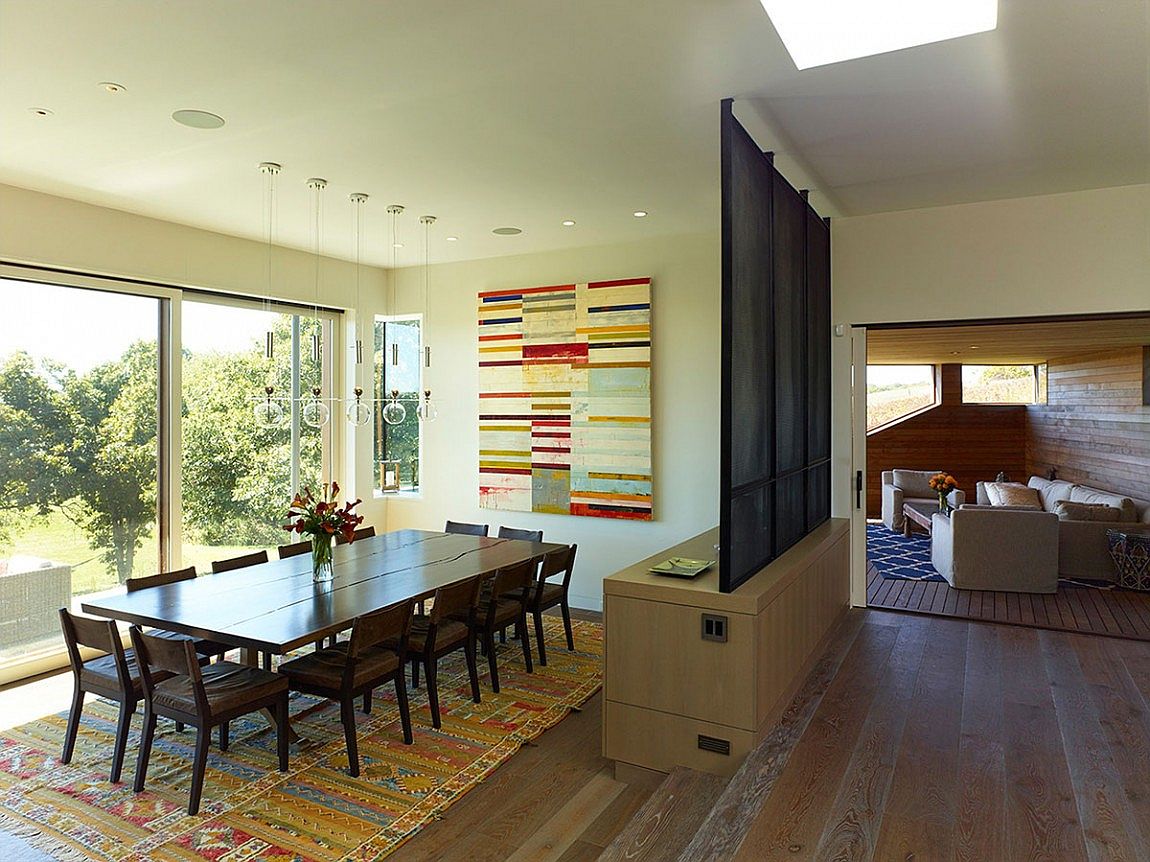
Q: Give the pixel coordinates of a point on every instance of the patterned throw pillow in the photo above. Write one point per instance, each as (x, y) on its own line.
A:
(1012, 494)
(1069, 511)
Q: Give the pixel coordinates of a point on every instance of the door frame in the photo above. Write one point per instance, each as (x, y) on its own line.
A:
(858, 467)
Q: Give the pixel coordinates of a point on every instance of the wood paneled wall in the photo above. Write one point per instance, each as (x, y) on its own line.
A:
(973, 442)
(1095, 428)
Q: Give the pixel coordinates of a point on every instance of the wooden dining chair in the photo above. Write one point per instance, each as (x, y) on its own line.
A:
(436, 634)
(203, 646)
(114, 675)
(177, 687)
(505, 604)
(460, 528)
(524, 535)
(558, 563)
(372, 657)
(361, 533)
(243, 561)
(294, 549)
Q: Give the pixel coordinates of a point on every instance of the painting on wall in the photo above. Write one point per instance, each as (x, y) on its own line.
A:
(565, 399)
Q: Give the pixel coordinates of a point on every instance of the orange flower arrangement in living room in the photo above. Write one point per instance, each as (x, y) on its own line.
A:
(942, 484)
(321, 519)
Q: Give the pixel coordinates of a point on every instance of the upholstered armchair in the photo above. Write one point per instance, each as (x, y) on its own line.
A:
(996, 548)
(907, 486)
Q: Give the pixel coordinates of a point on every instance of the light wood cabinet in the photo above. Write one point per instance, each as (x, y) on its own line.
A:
(677, 698)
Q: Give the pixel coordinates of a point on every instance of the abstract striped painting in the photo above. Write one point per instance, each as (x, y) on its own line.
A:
(565, 399)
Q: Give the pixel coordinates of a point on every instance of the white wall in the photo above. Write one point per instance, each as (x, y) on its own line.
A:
(45, 230)
(685, 420)
(1074, 253)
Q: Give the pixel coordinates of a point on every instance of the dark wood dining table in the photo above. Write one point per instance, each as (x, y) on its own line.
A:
(275, 607)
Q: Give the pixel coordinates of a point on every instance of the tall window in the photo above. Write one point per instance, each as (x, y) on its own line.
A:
(896, 391)
(237, 476)
(79, 462)
(397, 369)
(1004, 384)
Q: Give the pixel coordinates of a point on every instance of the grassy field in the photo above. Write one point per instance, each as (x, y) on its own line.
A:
(58, 539)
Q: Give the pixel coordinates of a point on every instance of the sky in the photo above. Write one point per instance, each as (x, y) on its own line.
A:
(884, 375)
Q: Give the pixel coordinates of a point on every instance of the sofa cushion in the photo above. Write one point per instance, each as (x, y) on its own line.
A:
(915, 483)
(1068, 510)
(1012, 494)
(1050, 491)
(1082, 494)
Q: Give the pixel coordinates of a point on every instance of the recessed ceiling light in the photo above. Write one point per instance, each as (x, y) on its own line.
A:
(974, 347)
(507, 231)
(639, 214)
(397, 245)
(112, 86)
(40, 112)
(568, 223)
(818, 32)
(198, 119)
(453, 239)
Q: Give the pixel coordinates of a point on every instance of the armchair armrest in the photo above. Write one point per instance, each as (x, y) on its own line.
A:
(892, 514)
(956, 498)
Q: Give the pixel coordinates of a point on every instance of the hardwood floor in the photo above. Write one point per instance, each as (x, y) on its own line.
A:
(947, 739)
(1114, 613)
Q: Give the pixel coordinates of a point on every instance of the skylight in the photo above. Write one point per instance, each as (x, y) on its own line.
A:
(818, 32)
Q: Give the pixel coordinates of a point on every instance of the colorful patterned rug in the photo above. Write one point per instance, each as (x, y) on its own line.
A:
(908, 558)
(315, 811)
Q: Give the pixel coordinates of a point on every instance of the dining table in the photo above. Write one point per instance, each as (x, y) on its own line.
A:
(276, 607)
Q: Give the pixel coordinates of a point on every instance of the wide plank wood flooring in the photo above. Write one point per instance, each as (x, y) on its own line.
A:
(946, 740)
(1114, 613)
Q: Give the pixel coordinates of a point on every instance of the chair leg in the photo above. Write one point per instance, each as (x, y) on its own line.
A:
(432, 692)
(225, 734)
(199, 767)
(73, 725)
(404, 709)
(367, 702)
(524, 641)
(492, 663)
(145, 749)
(539, 638)
(347, 716)
(318, 645)
(179, 727)
(472, 667)
(415, 673)
(283, 731)
(266, 659)
(566, 609)
(127, 710)
(503, 636)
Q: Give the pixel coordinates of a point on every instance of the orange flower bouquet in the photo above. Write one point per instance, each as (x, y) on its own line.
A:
(321, 519)
(942, 484)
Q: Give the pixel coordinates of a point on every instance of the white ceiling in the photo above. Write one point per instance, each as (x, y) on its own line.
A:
(527, 112)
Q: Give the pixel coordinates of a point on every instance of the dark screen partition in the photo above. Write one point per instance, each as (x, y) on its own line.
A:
(775, 422)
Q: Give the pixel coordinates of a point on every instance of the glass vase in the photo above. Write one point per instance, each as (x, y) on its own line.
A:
(321, 568)
(943, 503)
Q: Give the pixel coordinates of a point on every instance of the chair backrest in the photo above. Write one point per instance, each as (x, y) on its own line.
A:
(517, 578)
(456, 598)
(525, 535)
(169, 657)
(361, 533)
(465, 529)
(369, 630)
(294, 549)
(99, 635)
(561, 561)
(239, 562)
(162, 579)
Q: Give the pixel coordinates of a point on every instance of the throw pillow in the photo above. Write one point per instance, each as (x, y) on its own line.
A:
(1012, 494)
(1070, 511)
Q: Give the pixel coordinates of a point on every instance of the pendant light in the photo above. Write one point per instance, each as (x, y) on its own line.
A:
(394, 412)
(426, 411)
(315, 413)
(267, 412)
(358, 413)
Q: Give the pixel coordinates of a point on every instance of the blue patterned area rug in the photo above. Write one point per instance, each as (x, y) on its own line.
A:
(897, 557)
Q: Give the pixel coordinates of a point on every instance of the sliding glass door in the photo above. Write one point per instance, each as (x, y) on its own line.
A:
(80, 481)
(237, 475)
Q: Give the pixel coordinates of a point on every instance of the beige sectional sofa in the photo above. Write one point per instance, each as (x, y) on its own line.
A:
(1083, 551)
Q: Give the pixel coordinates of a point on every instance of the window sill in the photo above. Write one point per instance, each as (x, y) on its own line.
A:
(399, 495)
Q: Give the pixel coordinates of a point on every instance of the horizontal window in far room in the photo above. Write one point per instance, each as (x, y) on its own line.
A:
(1004, 384)
(894, 392)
